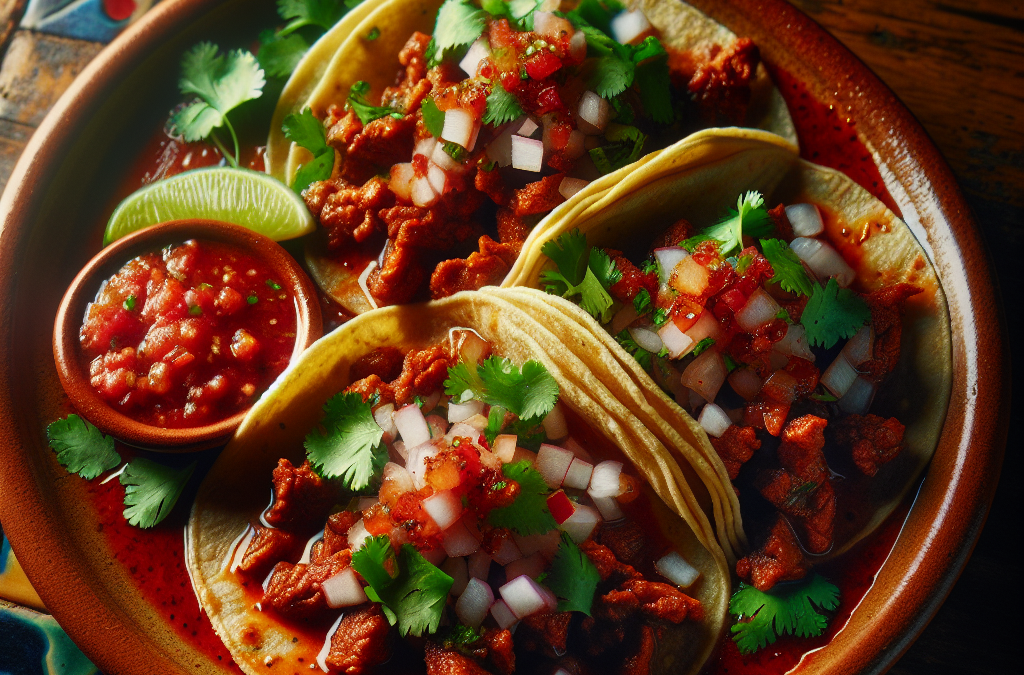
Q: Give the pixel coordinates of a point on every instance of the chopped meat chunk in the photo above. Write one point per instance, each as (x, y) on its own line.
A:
(438, 228)
(441, 661)
(342, 126)
(873, 440)
(781, 222)
(639, 663)
(301, 497)
(268, 545)
(488, 267)
(547, 633)
(500, 654)
(349, 212)
(294, 590)
(379, 145)
(608, 566)
(335, 536)
(601, 636)
(801, 449)
(512, 229)
(721, 85)
(632, 281)
(680, 230)
(384, 362)
(653, 598)
(886, 311)
(423, 372)
(736, 447)
(493, 185)
(779, 559)
(361, 641)
(399, 279)
(626, 540)
(538, 197)
(371, 385)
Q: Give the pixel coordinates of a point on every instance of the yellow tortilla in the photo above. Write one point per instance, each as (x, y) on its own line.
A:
(236, 490)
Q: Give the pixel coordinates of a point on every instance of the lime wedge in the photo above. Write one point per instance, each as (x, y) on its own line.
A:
(240, 196)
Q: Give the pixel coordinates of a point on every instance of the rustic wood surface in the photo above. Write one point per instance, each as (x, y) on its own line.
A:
(959, 67)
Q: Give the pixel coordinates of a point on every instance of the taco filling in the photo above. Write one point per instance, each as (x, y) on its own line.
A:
(455, 534)
(500, 116)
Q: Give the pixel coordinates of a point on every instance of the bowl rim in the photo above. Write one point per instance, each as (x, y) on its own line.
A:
(71, 368)
(951, 506)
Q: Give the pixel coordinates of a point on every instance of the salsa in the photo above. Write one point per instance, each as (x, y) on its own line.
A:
(189, 335)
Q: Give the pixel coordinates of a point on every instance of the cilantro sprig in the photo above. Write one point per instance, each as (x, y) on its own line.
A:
(642, 356)
(582, 270)
(529, 393)
(222, 82)
(82, 448)
(789, 271)
(787, 609)
(529, 513)
(151, 490)
(573, 578)
(502, 106)
(625, 146)
(412, 590)
(350, 445)
(281, 50)
(833, 314)
(308, 132)
(750, 218)
(433, 117)
(364, 111)
(459, 23)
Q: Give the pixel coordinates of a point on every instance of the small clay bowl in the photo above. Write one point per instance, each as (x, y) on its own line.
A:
(73, 369)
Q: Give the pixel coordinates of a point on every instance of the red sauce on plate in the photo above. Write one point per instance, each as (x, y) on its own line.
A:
(188, 336)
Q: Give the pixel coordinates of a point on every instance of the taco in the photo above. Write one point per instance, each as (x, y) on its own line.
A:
(497, 117)
(417, 488)
(800, 341)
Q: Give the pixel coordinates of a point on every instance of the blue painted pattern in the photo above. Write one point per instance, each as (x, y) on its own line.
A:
(94, 20)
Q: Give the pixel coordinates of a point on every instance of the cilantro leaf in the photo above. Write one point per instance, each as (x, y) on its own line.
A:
(459, 23)
(604, 268)
(350, 446)
(308, 132)
(652, 80)
(642, 356)
(529, 393)
(502, 106)
(222, 83)
(833, 314)
(569, 253)
(432, 117)
(625, 147)
(750, 218)
(609, 76)
(415, 595)
(300, 13)
(454, 150)
(789, 271)
(82, 448)
(495, 423)
(787, 609)
(642, 302)
(587, 274)
(702, 346)
(151, 490)
(364, 111)
(691, 243)
(597, 13)
(529, 513)
(279, 54)
(659, 317)
(573, 577)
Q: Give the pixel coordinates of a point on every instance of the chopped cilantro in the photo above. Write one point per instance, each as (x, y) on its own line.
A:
(651, 266)
(660, 317)
(495, 423)
(301, 13)
(364, 111)
(372, 35)
(252, 299)
(702, 346)
(454, 150)
(459, 23)
(151, 490)
(273, 285)
(196, 310)
(82, 448)
(582, 271)
(129, 302)
(412, 589)
(418, 400)
(599, 13)
(625, 147)
(502, 106)
(789, 271)
(529, 393)
(743, 262)
(652, 79)
(350, 444)
(432, 117)
(787, 609)
(642, 356)
(825, 398)
(308, 132)
(573, 577)
(833, 314)
(624, 113)
(662, 353)
(750, 218)
(784, 315)
(280, 51)
(279, 54)
(500, 485)
(691, 243)
(730, 363)
(528, 514)
(460, 635)
(222, 83)
(642, 302)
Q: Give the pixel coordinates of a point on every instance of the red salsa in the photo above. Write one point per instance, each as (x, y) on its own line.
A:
(189, 335)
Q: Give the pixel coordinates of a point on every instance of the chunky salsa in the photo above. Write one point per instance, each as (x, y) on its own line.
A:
(189, 335)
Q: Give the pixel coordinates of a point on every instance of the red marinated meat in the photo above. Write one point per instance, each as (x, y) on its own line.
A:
(886, 320)
(663, 601)
(608, 566)
(779, 559)
(639, 663)
(801, 449)
(512, 229)
(538, 197)
(493, 185)
(302, 498)
(546, 633)
(441, 661)
(294, 590)
(812, 506)
(872, 440)
(335, 535)
(721, 85)
(487, 267)
(626, 540)
(781, 222)
(410, 91)
(500, 654)
(679, 231)
(423, 372)
(632, 281)
(371, 385)
(400, 278)
(805, 373)
(361, 641)
(384, 362)
(349, 212)
(268, 545)
(378, 146)
(438, 228)
(736, 447)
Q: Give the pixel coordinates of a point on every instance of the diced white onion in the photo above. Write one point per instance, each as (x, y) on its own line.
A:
(522, 454)
(502, 614)
(459, 412)
(402, 176)
(478, 423)
(609, 508)
(474, 603)
(676, 569)
(577, 450)
(425, 147)
(550, 25)
(507, 552)
(578, 46)
(411, 425)
(570, 186)
(363, 276)
(839, 376)
(861, 347)
(504, 447)
(805, 220)
(823, 260)
(745, 382)
(759, 310)
(668, 257)
(461, 429)
(553, 463)
(805, 247)
(456, 569)
(528, 127)
(623, 318)
(627, 26)
(383, 416)
(592, 114)
(857, 399)
(604, 482)
(575, 148)
(479, 564)
(357, 534)
(423, 195)
(676, 341)
(437, 425)
(581, 523)
(523, 596)
(705, 374)
(714, 420)
(554, 424)
(794, 343)
(461, 127)
(531, 566)
(398, 476)
(527, 154)
(499, 150)
(690, 277)
(705, 327)
(445, 507)
(443, 160)
(578, 475)
(459, 541)
(400, 451)
(646, 338)
(478, 51)
(343, 589)
(416, 463)
(437, 178)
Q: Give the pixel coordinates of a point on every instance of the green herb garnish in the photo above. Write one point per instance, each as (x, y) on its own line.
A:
(364, 111)
(82, 448)
(529, 393)
(583, 271)
(502, 106)
(833, 314)
(350, 445)
(573, 578)
(529, 513)
(789, 271)
(151, 490)
(787, 609)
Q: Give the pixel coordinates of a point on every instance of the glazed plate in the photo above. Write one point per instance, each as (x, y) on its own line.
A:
(52, 215)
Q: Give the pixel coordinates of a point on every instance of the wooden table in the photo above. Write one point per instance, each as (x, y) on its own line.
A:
(959, 67)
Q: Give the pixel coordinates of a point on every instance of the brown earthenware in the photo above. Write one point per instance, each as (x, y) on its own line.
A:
(72, 368)
(58, 198)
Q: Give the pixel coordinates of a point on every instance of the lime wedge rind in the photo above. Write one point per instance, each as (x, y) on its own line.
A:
(240, 196)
